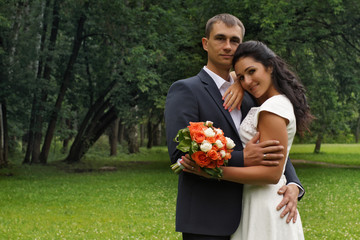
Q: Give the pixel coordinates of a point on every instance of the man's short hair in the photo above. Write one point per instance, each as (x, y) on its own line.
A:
(226, 18)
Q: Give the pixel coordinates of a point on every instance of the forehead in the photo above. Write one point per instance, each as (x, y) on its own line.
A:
(220, 28)
(244, 63)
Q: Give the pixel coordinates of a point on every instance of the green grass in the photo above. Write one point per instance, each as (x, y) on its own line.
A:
(61, 202)
(137, 201)
(330, 208)
(348, 154)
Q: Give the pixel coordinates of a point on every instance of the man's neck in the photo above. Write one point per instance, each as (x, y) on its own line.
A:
(223, 73)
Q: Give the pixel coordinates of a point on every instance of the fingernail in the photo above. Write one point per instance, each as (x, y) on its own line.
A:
(230, 110)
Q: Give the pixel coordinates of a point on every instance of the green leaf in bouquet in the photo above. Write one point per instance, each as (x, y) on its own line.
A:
(214, 172)
(184, 145)
(194, 147)
(183, 134)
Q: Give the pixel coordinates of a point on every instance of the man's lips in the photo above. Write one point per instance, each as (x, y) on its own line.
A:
(226, 55)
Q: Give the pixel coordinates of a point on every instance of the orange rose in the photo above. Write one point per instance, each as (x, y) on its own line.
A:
(220, 162)
(214, 155)
(198, 137)
(200, 158)
(196, 126)
(221, 138)
(211, 139)
(212, 164)
(227, 156)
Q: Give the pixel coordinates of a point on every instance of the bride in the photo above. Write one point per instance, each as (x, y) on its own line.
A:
(283, 110)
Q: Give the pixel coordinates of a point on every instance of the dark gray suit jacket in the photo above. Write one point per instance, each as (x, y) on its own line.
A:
(204, 206)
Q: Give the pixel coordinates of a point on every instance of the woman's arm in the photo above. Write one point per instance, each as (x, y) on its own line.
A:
(271, 126)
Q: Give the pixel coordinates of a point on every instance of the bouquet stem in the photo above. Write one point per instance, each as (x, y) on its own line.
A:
(177, 167)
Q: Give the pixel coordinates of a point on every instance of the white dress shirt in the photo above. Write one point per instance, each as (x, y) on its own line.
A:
(223, 85)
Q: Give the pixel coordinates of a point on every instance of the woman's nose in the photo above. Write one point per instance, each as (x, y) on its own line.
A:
(247, 80)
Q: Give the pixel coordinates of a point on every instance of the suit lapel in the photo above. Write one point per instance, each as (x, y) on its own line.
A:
(215, 94)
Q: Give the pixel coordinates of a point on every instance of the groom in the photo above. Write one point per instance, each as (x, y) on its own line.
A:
(211, 209)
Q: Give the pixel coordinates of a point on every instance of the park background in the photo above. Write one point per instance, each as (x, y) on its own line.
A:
(82, 91)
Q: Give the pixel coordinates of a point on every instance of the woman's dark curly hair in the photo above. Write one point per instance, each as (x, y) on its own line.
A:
(285, 81)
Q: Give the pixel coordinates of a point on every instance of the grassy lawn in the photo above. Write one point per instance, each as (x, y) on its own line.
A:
(137, 201)
(348, 154)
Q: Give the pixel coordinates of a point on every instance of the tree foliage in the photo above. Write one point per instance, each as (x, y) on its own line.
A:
(140, 47)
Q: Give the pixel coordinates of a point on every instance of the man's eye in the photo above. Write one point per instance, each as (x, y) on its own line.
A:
(251, 71)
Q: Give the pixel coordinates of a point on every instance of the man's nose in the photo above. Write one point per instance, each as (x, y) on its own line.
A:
(227, 44)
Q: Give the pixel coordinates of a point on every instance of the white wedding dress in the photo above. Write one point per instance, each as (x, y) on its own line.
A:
(260, 219)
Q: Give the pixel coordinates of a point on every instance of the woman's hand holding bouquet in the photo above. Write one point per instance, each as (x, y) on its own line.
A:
(207, 147)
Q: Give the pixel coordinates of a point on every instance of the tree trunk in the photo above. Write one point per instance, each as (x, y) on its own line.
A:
(100, 115)
(96, 126)
(113, 137)
(150, 135)
(3, 136)
(66, 80)
(66, 141)
(36, 119)
(30, 134)
(121, 133)
(133, 142)
(157, 135)
(318, 143)
(142, 134)
(357, 130)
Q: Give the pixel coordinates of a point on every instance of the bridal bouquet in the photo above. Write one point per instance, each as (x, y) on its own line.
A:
(206, 145)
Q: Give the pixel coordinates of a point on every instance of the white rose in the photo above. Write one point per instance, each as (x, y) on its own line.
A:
(209, 132)
(205, 146)
(218, 131)
(209, 123)
(229, 143)
(219, 144)
(222, 153)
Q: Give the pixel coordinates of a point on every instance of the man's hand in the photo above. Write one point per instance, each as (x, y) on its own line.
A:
(266, 153)
(290, 200)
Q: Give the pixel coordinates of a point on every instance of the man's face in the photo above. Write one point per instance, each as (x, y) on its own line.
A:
(221, 46)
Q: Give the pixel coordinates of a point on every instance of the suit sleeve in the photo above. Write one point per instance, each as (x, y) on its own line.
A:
(180, 108)
(291, 176)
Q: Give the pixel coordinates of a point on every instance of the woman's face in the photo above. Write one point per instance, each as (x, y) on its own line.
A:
(255, 78)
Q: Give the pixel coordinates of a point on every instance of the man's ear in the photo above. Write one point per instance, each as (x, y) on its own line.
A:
(204, 41)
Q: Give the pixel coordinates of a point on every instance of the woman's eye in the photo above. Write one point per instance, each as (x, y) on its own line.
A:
(241, 78)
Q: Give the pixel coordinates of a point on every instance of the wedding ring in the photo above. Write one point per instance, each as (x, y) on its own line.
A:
(193, 168)
(230, 93)
(264, 156)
